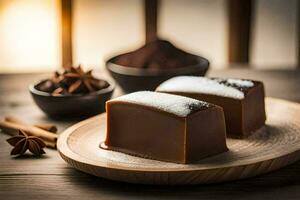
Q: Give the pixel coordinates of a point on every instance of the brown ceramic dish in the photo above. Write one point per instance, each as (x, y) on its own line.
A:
(71, 106)
(133, 79)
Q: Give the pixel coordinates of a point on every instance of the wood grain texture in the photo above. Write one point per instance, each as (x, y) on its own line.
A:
(272, 147)
(52, 178)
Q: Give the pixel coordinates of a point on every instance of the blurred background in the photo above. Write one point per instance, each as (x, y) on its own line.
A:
(43, 35)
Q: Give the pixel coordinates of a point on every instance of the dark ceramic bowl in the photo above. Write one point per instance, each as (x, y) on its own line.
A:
(71, 106)
(133, 79)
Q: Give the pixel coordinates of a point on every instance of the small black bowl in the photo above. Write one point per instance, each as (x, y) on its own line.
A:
(71, 106)
(133, 79)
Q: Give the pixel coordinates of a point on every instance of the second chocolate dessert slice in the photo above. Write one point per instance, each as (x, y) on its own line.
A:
(164, 127)
(241, 100)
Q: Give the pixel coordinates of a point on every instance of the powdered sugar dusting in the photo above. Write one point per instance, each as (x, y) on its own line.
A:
(240, 83)
(204, 85)
(178, 105)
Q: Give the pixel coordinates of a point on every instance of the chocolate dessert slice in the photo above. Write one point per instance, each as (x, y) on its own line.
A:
(241, 100)
(164, 127)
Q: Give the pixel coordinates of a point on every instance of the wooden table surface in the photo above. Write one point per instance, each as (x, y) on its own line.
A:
(51, 178)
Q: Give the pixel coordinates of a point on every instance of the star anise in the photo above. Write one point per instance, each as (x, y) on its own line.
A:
(59, 91)
(57, 77)
(82, 79)
(73, 80)
(22, 142)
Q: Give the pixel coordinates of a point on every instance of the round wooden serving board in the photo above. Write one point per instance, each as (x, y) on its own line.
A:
(272, 147)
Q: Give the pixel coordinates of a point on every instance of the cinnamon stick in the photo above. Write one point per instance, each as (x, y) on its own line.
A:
(13, 132)
(51, 145)
(13, 119)
(31, 130)
(45, 126)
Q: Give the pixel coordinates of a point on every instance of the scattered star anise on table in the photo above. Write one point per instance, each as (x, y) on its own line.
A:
(22, 142)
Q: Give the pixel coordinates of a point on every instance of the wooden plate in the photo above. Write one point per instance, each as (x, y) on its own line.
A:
(272, 147)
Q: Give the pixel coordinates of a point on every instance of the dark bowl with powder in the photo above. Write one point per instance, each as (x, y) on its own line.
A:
(150, 65)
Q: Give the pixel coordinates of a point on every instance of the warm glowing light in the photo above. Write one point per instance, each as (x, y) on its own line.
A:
(29, 35)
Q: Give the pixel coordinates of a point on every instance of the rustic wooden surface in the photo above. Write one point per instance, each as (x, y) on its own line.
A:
(270, 148)
(51, 178)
